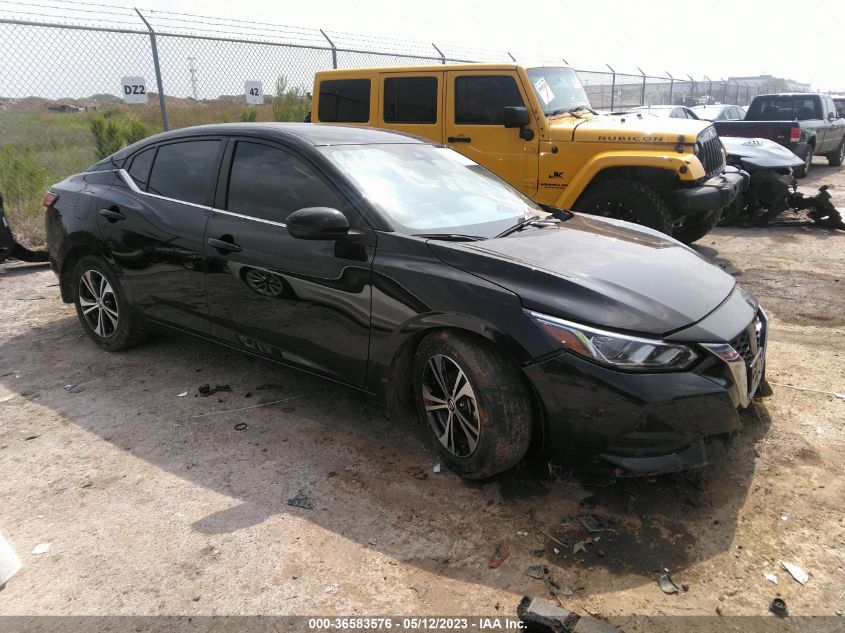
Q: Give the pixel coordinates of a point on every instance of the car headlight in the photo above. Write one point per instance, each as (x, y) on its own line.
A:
(614, 349)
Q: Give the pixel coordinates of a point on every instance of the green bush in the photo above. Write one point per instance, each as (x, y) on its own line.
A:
(248, 115)
(113, 134)
(23, 181)
(290, 104)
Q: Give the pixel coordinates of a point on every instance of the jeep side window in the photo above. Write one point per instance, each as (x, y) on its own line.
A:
(410, 100)
(344, 101)
(482, 99)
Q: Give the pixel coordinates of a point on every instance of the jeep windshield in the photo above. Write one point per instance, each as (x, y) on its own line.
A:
(558, 89)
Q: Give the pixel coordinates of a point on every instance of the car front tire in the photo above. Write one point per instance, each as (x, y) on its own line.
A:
(102, 307)
(475, 402)
(836, 157)
(627, 200)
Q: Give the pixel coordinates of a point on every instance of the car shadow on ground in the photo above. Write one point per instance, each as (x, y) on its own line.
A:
(369, 479)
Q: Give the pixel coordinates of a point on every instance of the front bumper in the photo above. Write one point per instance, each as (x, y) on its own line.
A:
(648, 423)
(713, 195)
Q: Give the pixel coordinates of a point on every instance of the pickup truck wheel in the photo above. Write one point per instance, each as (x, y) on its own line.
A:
(475, 402)
(627, 200)
(802, 171)
(835, 158)
(696, 227)
(102, 307)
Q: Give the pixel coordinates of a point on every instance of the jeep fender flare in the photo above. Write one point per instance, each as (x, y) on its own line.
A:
(685, 166)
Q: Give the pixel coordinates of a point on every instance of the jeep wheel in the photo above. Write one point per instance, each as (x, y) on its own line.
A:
(627, 200)
(475, 402)
(696, 227)
(836, 157)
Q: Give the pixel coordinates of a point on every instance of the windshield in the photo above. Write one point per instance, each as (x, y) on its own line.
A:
(427, 189)
(558, 89)
(709, 112)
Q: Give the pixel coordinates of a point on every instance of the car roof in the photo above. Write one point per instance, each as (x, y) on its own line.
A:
(311, 134)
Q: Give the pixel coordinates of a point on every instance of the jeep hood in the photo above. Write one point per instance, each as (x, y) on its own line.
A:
(598, 272)
(625, 129)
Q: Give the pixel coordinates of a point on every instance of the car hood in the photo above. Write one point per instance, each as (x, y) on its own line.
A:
(760, 153)
(627, 128)
(598, 272)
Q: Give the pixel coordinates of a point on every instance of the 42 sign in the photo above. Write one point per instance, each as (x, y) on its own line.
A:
(254, 93)
(134, 89)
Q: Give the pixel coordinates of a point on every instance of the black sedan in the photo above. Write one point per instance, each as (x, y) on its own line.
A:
(406, 270)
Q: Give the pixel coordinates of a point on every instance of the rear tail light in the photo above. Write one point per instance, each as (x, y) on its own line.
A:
(795, 133)
(50, 199)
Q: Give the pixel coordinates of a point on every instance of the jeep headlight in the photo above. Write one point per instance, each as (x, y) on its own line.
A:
(614, 349)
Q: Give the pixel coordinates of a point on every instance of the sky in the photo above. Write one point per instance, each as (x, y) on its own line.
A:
(748, 37)
(799, 41)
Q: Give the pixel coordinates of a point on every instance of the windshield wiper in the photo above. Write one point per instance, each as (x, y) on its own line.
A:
(556, 217)
(450, 237)
(571, 111)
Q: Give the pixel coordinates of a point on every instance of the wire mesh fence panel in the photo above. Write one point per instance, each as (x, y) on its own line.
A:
(598, 87)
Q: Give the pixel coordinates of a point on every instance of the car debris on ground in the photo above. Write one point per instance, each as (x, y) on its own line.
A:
(10, 564)
(301, 500)
(540, 616)
(666, 585)
(500, 553)
(208, 390)
(797, 572)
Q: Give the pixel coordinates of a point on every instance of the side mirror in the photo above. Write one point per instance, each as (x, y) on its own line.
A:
(318, 223)
(831, 116)
(516, 116)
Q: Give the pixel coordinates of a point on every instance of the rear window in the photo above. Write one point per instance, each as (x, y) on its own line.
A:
(410, 100)
(784, 108)
(482, 99)
(345, 101)
(140, 169)
(182, 171)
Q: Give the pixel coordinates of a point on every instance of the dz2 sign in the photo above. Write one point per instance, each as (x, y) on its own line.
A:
(134, 90)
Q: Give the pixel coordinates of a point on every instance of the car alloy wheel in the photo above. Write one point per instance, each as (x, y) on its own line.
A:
(98, 304)
(450, 405)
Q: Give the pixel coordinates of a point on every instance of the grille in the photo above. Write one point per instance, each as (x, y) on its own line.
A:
(710, 152)
(743, 343)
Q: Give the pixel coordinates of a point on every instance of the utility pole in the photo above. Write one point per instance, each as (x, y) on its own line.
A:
(193, 69)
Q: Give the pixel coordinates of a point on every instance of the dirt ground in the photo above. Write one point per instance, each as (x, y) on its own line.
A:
(153, 504)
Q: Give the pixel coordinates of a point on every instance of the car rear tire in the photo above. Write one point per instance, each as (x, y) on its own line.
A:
(835, 158)
(475, 401)
(627, 200)
(102, 307)
(801, 172)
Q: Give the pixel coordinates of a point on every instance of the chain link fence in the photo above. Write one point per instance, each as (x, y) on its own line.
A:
(63, 66)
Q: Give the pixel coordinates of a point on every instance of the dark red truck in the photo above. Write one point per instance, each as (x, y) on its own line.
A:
(808, 124)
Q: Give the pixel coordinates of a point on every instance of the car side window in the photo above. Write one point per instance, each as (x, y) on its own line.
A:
(482, 99)
(183, 170)
(269, 183)
(344, 101)
(410, 100)
(139, 171)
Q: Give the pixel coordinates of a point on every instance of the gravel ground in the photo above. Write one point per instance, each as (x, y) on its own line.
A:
(152, 507)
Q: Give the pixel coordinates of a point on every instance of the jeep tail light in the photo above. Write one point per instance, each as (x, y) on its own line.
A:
(50, 199)
(795, 134)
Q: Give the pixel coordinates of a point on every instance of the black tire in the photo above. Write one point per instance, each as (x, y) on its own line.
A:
(836, 157)
(627, 200)
(696, 227)
(497, 404)
(801, 172)
(102, 307)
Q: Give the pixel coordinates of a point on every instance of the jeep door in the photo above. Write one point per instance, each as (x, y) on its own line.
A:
(302, 302)
(412, 103)
(474, 125)
(152, 221)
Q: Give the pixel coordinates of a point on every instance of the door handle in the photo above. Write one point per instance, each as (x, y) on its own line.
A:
(112, 215)
(459, 139)
(223, 245)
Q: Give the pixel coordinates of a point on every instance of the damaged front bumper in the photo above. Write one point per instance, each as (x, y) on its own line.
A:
(661, 422)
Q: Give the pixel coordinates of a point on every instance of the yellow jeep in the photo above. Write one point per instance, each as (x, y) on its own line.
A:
(534, 128)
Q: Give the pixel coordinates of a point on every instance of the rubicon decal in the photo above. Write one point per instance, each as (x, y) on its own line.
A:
(636, 139)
